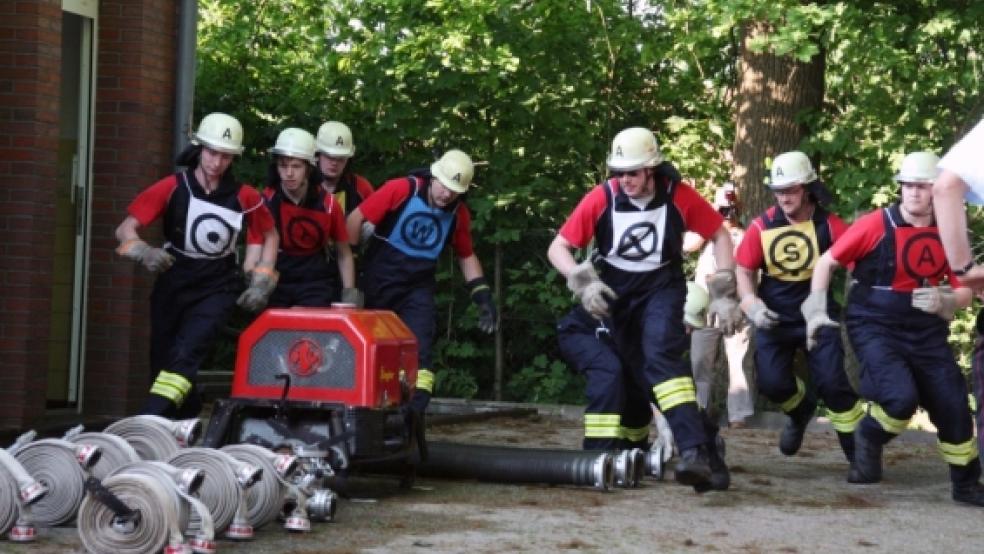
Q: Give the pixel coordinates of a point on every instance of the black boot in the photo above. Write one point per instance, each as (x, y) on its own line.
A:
(720, 476)
(967, 488)
(693, 468)
(847, 445)
(867, 464)
(791, 437)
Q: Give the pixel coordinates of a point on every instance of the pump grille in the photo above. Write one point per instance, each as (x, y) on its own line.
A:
(320, 359)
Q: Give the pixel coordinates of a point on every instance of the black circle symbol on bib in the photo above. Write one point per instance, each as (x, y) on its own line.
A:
(638, 242)
(922, 256)
(422, 231)
(304, 233)
(211, 235)
(792, 252)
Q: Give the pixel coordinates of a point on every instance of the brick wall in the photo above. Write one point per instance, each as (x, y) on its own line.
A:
(134, 118)
(30, 43)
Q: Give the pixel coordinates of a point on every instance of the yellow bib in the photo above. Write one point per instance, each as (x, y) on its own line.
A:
(791, 251)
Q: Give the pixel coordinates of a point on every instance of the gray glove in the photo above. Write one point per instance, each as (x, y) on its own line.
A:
(814, 310)
(353, 296)
(935, 300)
(724, 309)
(761, 316)
(262, 280)
(366, 232)
(155, 260)
(595, 295)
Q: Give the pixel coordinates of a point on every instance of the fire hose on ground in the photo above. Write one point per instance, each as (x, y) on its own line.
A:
(145, 507)
(265, 499)
(223, 492)
(116, 452)
(61, 466)
(156, 438)
(18, 490)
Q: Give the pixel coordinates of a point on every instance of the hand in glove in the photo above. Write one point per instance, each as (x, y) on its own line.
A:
(154, 259)
(481, 295)
(935, 300)
(814, 310)
(262, 280)
(761, 316)
(595, 295)
(723, 309)
(366, 232)
(353, 296)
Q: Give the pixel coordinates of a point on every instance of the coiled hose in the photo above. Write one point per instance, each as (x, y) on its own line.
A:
(156, 438)
(17, 489)
(61, 466)
(265, 498)
(163, 496)
(223, 490)
(116, 452)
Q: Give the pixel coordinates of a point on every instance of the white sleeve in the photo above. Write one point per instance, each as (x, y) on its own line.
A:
(966, 159)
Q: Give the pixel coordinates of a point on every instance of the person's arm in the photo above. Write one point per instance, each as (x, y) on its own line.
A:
(692, 242)
(747, 286)
(134, 248)
(346, 264)
(471, 268)
(951, 219)
(353, 224)
(252, 257)
(724, 249)
(560, 253)
(823, 272)
(814, 308)
(127, 230)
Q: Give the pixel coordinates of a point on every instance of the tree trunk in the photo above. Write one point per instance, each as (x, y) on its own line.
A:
(773, 93)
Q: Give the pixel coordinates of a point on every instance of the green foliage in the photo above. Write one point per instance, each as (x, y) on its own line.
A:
(537, 89)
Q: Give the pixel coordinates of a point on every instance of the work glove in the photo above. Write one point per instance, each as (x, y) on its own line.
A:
(481, 295)
(261, 281)
(595, 295)
(155, 260)
(814, 310)
(366, 232)
(724, 309)
(353, 296)
(935, 300)
(761, 316)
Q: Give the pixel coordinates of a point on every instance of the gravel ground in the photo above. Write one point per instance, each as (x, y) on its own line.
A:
(776, 504)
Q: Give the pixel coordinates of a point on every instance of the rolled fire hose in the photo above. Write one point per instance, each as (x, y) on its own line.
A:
(265, 498)
(518, 465)
(165, 508)
(61, 466)
(17, 490)
(156, 438)
(116, 452)
(223, 491)
(304, 503)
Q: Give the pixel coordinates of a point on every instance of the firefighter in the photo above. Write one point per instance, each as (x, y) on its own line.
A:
(335, 149)
(311, 223)
(898, 315)
(705, 341)
(204, 209)
(635, 284)
(414, 218)
(783, 245)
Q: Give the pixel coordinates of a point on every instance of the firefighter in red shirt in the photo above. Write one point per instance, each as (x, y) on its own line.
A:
(784, 244)
(414, 218)
(898, 320)
(204, 209)
(633, 290)
(311, 224)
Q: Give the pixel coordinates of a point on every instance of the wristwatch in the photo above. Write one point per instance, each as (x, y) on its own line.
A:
(963, 270)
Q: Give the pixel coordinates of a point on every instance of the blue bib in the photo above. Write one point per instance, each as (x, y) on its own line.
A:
(421, 231)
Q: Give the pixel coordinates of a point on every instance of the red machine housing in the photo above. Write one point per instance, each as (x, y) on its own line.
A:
(357, 358)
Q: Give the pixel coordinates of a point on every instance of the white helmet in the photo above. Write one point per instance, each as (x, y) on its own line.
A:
(918, 167)
(220, 132)
(634, 148)
(335, 139)
(695, 305)
(295, 143)
(790, 169)
(454, 170)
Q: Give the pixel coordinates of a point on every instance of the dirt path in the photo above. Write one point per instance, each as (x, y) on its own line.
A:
(776, 504)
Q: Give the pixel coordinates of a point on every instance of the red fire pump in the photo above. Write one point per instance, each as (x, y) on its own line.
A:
(324, 383)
